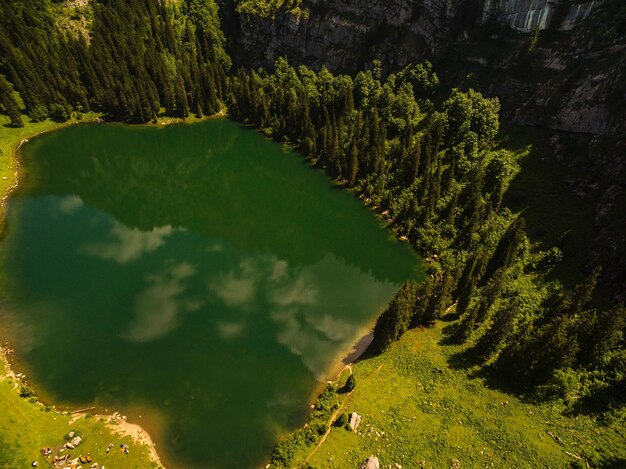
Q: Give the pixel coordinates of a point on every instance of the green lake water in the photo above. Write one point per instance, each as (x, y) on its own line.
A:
(198, 274)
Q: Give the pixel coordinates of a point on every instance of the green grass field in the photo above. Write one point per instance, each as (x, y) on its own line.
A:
(420, 412)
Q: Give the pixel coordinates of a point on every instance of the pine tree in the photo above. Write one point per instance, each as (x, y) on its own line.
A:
(396, 319)
(8, 102)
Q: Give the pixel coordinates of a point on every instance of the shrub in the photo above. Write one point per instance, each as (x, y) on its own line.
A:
(25, 391)
(350, 383)
(59, 112)
(563, 384)
(342, 420)
(38, 113)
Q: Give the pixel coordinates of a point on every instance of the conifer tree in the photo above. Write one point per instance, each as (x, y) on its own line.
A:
(396, 319)
(7, 101)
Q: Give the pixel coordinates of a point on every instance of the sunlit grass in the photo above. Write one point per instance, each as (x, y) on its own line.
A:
(418, 411)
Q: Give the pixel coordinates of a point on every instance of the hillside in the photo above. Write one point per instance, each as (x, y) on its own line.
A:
(422, 405)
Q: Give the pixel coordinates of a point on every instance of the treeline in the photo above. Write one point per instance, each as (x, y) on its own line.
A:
(139, 59)
(434, 172)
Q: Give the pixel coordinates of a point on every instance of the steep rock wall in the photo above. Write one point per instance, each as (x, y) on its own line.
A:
(343, 35)
(528, 15)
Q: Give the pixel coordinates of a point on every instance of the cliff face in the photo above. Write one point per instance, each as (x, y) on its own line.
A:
(343, 35)
(528, 15)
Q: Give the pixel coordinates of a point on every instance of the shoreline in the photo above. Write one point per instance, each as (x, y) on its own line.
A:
(344, 360)
(347, 357)
(14, 158)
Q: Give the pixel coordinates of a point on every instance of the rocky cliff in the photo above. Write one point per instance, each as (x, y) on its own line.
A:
(343, 35)
(346, 34)
(528, 15)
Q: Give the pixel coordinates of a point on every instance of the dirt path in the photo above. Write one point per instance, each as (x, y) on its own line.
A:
(333, 417)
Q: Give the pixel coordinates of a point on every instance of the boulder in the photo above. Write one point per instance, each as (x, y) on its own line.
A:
(69, 445)
(77, 440)
(370, 463)
(355, 421)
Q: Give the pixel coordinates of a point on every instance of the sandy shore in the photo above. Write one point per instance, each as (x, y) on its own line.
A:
(348, 357)
(117, 424)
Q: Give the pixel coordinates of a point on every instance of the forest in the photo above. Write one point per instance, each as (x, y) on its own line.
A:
(431, 165)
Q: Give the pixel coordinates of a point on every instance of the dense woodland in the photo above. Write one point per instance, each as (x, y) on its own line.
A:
(430, 166)
(140, 57)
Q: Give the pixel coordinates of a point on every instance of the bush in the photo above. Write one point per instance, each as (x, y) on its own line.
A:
(60, 113)
(25, 391)
(38, 113)
(350, 383)
(563, 384)
(342, 420)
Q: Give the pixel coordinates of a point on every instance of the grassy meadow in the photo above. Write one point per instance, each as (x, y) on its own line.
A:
(419, 409)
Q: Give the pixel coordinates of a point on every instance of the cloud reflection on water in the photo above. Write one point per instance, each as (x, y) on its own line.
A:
(128, 244)
(304, 304)
(70, 204)
(157, 308)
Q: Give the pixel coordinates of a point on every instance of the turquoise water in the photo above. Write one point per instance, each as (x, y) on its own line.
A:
(200, 273)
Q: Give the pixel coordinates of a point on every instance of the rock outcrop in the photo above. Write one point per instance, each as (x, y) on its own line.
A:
(343, 35)
(370, 463)
(355, 421)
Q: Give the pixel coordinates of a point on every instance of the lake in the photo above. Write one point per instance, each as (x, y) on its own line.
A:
(198, 275)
